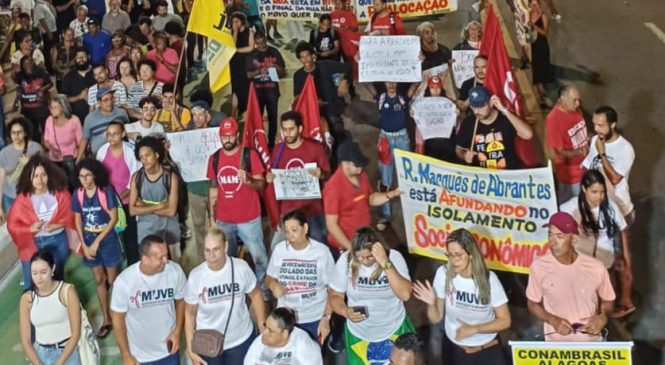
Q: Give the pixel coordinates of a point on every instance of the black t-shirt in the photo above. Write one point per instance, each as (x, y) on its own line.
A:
(323, 42)
(28, 87)
(439, 57)
(327, 76)
(72, 85)
(63, 18)
(494, 143)
(466, 86)
(268, 58)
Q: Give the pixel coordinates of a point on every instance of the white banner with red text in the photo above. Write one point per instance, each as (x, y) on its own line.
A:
(504, 209)
(406, 8)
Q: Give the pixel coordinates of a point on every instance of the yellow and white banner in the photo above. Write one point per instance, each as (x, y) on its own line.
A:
(300, 10)
(406, 8)
(571, 353)
(504, 209)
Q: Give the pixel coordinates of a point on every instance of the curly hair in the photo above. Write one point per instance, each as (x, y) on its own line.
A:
(57, 180)
(98, 170)
(27, 130)
(156, 144)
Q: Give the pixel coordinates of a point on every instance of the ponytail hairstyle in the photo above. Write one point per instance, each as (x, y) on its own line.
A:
(590, 224)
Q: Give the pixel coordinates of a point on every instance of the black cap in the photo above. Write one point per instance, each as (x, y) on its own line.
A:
(350, 151)
(93, 21)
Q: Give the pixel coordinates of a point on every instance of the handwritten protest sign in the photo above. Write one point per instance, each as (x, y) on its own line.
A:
(406, 8)
(434, 116)
(463, 66)
(389, 58)
(571, 353)
(302, 10)
(504, 209)
(296, 184)
(191, 150)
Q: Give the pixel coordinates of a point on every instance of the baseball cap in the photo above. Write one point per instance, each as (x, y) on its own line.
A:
(201, 104)
(478, 96)
(564, 222)
(229, 127)
(103, 91)
(93, 21)
(350, 151)
(434, 81)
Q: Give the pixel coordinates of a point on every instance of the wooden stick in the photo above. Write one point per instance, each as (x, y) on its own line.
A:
(473, 136)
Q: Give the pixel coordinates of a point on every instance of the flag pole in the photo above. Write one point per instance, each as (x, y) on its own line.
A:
(183, 54)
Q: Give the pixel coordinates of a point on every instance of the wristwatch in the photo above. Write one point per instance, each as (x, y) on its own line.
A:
(388, 265)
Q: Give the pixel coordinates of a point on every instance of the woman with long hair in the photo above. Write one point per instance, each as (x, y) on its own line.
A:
(41, 214)
(472, 302)
(118, 51)
(126, 73)
(542, 71)
(13, 157)
(375, 281)
(471, 36)
(604, 235)
(52, 307)
(62, 136)
(95, 206)
(243, 35)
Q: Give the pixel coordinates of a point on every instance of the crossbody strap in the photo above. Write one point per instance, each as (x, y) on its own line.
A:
(233, 297)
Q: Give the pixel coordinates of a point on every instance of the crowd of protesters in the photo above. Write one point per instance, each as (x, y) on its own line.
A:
(86, 167)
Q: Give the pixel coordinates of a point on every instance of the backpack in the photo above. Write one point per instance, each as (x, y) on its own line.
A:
(316, 33)
(247, 161)
(183, 197)
(121, 224)
(166, 178)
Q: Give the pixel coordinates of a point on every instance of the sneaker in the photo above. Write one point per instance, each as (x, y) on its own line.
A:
(334, 346)
(556, 17)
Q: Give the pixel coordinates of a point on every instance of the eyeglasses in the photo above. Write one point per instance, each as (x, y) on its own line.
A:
(456, 255)
(85, 176)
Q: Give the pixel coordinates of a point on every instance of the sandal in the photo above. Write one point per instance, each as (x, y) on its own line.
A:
(622, 311)
(104, 330)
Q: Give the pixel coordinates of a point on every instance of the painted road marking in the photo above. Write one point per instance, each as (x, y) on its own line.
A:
(654, 28)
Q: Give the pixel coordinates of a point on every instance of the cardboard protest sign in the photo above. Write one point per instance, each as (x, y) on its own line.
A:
(406, 8)
(389, 58)
(434, 116)
(191, 150)
(296, 184)
(504, 209)
(463, 66)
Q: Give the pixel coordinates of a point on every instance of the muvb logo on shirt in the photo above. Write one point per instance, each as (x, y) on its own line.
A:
(462, 298)
(366, 283)
(218, 292)
(142, 299)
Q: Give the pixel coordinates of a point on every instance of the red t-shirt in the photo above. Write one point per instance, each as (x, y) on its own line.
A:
(382, 23)
(349, 202)
(568, 131)
(236, 202)
(343, 19)
(308, 152)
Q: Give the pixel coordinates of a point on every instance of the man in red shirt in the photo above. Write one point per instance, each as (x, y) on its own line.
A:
(235, 183)
(347, 197)
(343, 18)
(384, 21)
(567, 141)
(296, 152)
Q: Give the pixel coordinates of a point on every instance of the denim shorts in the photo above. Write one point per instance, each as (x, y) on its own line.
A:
(109, 253)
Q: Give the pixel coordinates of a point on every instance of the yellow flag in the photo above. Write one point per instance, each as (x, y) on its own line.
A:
(208, 18)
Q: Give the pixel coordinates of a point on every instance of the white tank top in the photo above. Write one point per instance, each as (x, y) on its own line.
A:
(50, 318)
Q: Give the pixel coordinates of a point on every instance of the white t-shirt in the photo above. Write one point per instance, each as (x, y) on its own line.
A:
(385, 310)
(149, 303)
(305, 274)
(621, 156)
(299, 350)
(603, 242)
(462, 303)
(136, 127)
(210, 290)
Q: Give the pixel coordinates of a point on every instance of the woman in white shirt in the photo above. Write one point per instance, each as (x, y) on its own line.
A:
(298, 275)
(472, 302)
(216, 291)
(376, 283)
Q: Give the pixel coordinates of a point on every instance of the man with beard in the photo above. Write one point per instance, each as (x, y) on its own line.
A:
(148, 307)
(479, 69)
(101, 74)
(236, 177)
(299, 153)
(487, 137)
(76, 83)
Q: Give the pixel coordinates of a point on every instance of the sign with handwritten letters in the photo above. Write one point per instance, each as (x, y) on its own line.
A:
(300, 10)
(296, 184)
(504, 209)
(571, 353)
(434, 116)
(406, 8)
(191, 150)
(389, 58)
(463, 66)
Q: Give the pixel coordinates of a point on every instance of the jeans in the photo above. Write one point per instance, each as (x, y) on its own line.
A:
(317, 231)
(59, 247)
(399, 140)
(173, 359)
(234, 355)
(251, 233)
(268, 101)
(50, 355)
(130, 238)
(311, 328)
(565, 192)
(7, 203)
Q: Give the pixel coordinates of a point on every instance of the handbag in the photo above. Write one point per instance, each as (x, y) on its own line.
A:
(88, 346)
(209, 342)
(68, 161)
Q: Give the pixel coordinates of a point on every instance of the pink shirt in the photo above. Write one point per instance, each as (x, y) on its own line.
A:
(163, 74)
(571, 292)
(119, 173)
(64, 138)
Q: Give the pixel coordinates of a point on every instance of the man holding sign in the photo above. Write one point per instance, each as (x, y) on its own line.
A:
(295, 152)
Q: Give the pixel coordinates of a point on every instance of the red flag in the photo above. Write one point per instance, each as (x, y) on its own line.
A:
(500, 80)
(308, 105)
(254, 137)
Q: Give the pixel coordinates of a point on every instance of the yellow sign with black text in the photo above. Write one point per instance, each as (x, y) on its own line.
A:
(571, 353)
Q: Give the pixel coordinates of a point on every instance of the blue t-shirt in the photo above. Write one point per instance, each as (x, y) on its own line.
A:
(94, 217)
(394, 112)
(98, 46)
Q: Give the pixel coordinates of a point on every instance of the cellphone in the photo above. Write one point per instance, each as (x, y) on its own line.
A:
(577, 326)
(362, 310)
